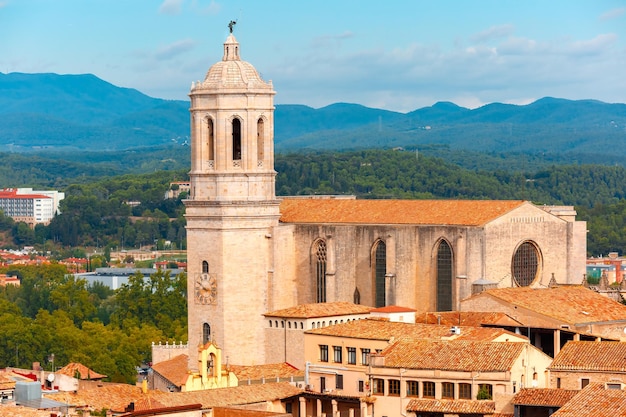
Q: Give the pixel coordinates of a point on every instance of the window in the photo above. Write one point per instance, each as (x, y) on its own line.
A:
(337, 354)
(378, 386)
(339, 381)
(323, 353)
(352, 356)
(485, 392)
(613, 386)
(393, 387)
(236, 140)
(447, 390)
(320, 271)
(380, 270)
(322, 383)
(525, 264)
(356, 297)
(206, 333)
(205, 267)
(210, 140)
(412, 389)
(465, 391)
(260, 136)
(428, 389)
(444, 277)
(584, 382)
(365, 356)
(558, 382)
(361, 385)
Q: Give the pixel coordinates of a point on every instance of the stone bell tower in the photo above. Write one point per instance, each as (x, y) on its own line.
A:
(232, 209)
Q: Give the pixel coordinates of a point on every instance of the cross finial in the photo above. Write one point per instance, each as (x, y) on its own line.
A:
(231, 25)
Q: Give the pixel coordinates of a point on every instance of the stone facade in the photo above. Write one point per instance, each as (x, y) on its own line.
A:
(250, 253)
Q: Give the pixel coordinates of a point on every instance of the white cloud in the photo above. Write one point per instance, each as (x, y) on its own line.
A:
(213, 8)
(171, 7)
(613, 14)
(594, 46)
(494, 32)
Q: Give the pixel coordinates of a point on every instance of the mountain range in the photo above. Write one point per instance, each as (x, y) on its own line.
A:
(87, 113)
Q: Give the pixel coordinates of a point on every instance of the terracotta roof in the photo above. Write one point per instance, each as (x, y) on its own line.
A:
(241, 395)
(591, 356)
(118, 396)
(454, 355)
(6, 381)
(148, 404)
(84, 373)
(570, 304)
(109, 396)
(305, 311)
(546, 397)
(174, 370)
(595, 401)
(423, 212)
(384, 330)
(19, 411)
(425, 405)
(267, 371)
(467, 318)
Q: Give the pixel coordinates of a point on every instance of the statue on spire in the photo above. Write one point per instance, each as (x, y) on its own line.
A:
(231, 25)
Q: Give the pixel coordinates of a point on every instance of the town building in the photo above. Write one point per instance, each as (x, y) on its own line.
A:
(552, 316)
(250, 252)
(30, 207)
(580, 363)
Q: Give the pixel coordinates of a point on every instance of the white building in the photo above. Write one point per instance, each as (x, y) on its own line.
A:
(30, 207)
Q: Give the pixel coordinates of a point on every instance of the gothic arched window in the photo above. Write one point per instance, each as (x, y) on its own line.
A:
(320, 271)
(236, 140)
(444, 277)
(205, 267)
(380, 271)
(356, 298)
(260, 140)
(525, 264)
(206, 333)
(210, 140)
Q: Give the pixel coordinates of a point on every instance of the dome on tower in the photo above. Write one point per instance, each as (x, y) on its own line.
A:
(231, 72)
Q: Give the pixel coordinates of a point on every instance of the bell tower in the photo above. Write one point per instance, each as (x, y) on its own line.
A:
(232, 208)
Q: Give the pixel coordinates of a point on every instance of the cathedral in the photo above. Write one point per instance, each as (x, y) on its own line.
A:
(251, 252)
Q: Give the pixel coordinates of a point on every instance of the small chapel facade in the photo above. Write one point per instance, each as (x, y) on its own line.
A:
(251, 252)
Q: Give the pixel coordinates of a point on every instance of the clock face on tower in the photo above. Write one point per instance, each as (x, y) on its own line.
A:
(206, 289)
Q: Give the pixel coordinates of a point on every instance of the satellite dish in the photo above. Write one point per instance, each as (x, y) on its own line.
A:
(50, 377)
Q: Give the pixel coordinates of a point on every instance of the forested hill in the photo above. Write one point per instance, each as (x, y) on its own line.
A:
(85, 112)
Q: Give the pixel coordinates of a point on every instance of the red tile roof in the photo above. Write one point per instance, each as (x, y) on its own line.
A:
(591, 356)
(19, 411)
(595, 401)
(174, 370)
(71, 369)
(422, 212)
(457, 355)
(267, 371)
(425, 405)
(467, 318)
(385, 330)
(570, 304)
(118, 396)
(546, 397)
(315, 310)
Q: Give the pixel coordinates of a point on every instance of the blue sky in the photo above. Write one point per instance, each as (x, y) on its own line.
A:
(395, 54)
